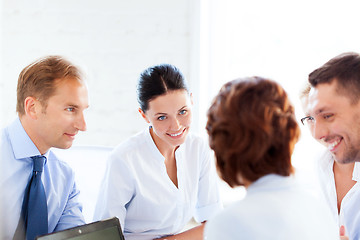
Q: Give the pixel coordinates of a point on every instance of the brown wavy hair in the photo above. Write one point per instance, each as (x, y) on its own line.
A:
(252, 130)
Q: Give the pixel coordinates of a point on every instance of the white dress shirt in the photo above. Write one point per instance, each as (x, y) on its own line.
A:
(274, 208)
(16, 150)
(137, 189)
(349, 215)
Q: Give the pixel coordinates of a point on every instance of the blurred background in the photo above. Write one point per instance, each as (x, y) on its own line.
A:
(210, 41)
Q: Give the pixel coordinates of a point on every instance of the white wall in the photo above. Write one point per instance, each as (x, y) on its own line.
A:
(278, 39)
(112, 40)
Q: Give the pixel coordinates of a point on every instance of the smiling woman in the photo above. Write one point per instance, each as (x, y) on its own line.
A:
(170, 118)
(167, 174)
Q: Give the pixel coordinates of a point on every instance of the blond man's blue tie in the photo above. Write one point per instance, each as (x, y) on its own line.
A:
(34, 209)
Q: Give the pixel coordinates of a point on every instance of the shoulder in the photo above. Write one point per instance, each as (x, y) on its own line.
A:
(130, 149)
(4, 140)
(196, 149)
(134, 142)
(195, 141)
(57, 163)
(228, 220)
(196, 138)
(6, 146)
(3, 134)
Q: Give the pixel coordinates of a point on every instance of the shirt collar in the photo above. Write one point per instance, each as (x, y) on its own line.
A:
(270, 181)
(154, 148)
(327, 163)
(356, 172)
(21, 143)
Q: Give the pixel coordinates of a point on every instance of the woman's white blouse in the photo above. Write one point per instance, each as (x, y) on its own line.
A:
(137, 189)
(275, 208)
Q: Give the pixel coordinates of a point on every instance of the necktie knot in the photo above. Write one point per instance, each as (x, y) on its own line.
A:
(38, 163)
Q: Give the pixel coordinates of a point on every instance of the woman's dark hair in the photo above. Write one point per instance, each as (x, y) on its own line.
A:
(252, 130)
(158, 80)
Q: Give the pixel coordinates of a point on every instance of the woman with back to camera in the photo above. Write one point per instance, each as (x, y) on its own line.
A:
(157, 180)
(253, 131)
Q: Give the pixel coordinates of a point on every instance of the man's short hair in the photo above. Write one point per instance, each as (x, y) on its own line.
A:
(345, 70)
(39, 79)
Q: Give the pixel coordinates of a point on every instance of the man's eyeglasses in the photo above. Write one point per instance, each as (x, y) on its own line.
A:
(308, 120)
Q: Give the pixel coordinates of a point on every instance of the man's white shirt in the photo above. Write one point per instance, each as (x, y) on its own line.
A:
(349, 215)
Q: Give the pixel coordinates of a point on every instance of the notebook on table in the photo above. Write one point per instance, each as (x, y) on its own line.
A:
(108, 229)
